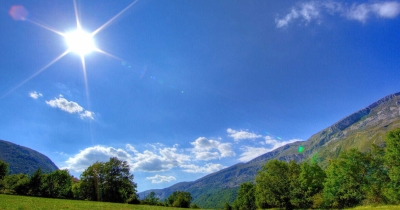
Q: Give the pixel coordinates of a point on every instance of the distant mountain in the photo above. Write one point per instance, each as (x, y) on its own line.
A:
(359, 130)
(24, 160)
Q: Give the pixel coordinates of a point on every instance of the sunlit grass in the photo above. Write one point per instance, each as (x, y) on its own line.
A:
(383, 207)
(26, 202)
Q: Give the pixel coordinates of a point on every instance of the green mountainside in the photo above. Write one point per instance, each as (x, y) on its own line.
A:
(359, 130)
(24, 160)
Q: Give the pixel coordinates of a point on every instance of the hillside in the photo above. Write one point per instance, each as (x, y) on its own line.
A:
(24, 160)
(358, 130)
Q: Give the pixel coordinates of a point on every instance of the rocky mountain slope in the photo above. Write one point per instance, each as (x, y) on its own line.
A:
(358, 130)
(24, 160)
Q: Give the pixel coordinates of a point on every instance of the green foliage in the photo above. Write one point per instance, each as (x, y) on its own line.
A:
(179, 199)
(273, 185)
(346, 180)
(310, 180)
(17, 184)
(110, 181)
(57, 184)
(36, 182)
(392, 160)
(151, 199)
(246, 197)
(3, 169)
(227, 206)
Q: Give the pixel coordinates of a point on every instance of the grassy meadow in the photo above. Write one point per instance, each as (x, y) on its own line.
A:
(25, 202)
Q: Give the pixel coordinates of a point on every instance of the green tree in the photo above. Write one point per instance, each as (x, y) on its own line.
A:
(377, 176)
(36, 182)
(273, 185)
(246, 197)
(346, 180)
(310, 180)
(57, 184)
(3, 173)
(392, 160)
(3, 169)
(180, 199)
(227, 206)
(151, 199)
(17, 184)
(109, 181)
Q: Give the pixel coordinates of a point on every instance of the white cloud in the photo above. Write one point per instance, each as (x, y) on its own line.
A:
(251, 153)
(87, 114)
(160, 179)
(314, 11)
(70, 107)
(272, 144)
(90, 155)
(241, 135)
(163, 159)
(208, 168)
(35, 95)
(205, 149)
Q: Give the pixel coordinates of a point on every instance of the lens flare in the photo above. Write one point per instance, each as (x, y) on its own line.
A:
(301, 149)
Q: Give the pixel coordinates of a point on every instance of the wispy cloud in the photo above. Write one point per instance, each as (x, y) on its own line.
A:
(160, 179)
(315, 10)
(270, 144)
(241, 135)
(252, 152)
(35, 95)
(208, 149)
(207, 168)
(70, 107)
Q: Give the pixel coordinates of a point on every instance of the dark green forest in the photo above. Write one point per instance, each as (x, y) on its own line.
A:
(354, 178)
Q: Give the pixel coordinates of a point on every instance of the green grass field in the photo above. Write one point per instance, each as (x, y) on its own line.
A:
(35, 203)
(26, 202)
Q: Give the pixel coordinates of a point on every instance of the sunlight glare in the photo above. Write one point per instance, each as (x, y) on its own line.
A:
(80, 42)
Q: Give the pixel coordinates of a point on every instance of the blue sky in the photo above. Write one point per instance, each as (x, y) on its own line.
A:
(183, 88)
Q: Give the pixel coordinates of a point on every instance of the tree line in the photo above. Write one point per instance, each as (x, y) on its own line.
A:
(354, 178)
(109, 181)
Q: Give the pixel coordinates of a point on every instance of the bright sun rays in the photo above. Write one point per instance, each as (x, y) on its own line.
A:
(78, 41)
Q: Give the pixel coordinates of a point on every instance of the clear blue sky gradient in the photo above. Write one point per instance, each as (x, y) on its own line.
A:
(194, 86)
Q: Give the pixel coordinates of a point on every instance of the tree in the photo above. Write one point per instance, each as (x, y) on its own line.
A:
(180, 199)
(310, 180)
(151, 199)
(346, 180)
(3, 173)
(36, 182)
(3, 169)
(227, 206)
(109, 181)
(392, 160)
(273, 185)
(17, 184)
(377, 176)
(58, 184)
(246, 197)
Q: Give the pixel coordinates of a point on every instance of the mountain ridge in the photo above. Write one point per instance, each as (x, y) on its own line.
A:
(24, 160)
(357, 130)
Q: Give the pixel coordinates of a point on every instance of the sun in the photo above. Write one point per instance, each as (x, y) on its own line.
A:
(80, 42)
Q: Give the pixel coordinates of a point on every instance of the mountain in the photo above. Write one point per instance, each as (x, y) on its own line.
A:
(358, 130)
(24, 160)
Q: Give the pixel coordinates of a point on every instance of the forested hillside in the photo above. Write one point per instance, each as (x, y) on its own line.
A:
(24, 160)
